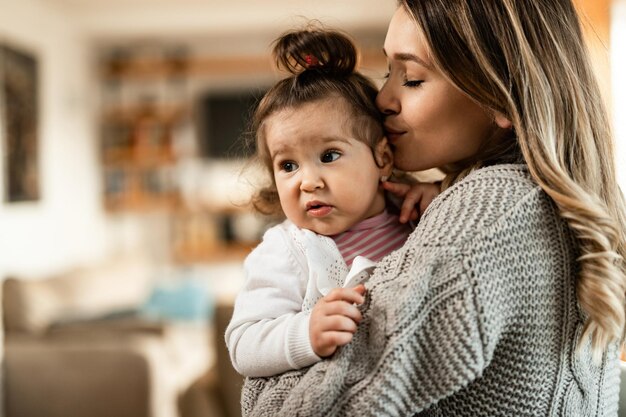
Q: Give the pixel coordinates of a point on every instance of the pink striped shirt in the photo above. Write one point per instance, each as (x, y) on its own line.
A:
(372, 238)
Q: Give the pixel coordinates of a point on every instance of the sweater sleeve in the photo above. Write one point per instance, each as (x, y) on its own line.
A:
(268, 333)
(422, 339)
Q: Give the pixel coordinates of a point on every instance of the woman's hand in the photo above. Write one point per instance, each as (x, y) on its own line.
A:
(334, 319)
(417, 197)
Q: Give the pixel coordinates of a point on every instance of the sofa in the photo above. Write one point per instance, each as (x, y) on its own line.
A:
(74, 346)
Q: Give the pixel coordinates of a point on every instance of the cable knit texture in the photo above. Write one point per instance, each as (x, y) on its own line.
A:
(475, 316)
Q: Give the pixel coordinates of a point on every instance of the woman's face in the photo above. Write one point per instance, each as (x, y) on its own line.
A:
(429, 122)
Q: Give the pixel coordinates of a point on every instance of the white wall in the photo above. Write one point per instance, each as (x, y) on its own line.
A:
(140, 18)
(618, 70)
(66, 226)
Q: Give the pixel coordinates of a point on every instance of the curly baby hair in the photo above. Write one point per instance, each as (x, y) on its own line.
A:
(321, 64)
(527, 60)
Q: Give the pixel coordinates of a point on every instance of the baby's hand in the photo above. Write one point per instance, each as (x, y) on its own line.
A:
(334, 319)
(417, 197)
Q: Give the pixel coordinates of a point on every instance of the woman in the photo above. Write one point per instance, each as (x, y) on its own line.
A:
(508, 298)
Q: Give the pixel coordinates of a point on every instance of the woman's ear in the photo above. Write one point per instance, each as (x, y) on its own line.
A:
(384, 157)
(502, 121)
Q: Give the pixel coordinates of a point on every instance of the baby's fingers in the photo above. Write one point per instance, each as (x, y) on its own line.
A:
(338, 323)
(342, 308)
(334, 338)
(360, 289)
(345, 294)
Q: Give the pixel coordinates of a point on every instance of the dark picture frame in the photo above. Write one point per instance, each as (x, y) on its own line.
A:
(19, 110)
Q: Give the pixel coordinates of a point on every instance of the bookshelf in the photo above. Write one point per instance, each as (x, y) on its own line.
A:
(141, 111)
(138, 158)
(153, 126)
(148, 117)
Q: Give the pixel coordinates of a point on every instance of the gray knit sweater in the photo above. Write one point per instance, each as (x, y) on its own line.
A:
(475, 316)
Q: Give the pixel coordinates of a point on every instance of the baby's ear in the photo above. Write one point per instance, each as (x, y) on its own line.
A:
(384, 157)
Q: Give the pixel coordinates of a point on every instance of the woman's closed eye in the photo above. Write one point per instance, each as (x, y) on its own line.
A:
(330, 156)
(405, 83)
(412, 83)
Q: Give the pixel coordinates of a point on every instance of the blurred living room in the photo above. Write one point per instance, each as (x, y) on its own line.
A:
(124, 219)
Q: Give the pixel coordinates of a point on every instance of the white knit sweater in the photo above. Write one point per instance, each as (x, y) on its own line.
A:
(286, 275)
(475, 316)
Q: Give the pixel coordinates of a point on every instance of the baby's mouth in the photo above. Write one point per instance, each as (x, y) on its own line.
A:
(318, 209)
(315, 204)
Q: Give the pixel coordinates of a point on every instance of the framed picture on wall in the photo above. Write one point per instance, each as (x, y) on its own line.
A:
(19, 112)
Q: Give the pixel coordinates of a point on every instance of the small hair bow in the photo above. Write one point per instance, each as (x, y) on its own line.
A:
(311, 61)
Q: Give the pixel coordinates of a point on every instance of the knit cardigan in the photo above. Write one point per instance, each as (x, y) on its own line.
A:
(475, 316)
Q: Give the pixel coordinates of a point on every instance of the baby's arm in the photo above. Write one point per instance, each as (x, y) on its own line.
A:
(268, 333)
(334, 319)
(416, 196)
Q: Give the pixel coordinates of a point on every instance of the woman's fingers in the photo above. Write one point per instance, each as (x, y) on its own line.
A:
(416, 198)
(412, 195)
(396, 188)
(412, 199)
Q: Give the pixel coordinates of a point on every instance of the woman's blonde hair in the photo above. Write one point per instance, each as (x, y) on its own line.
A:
(527, 60)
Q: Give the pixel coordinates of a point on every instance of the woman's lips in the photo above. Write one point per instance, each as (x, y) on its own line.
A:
(393, 135)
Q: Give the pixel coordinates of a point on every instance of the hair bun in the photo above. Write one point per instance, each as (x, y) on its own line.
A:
(315, 49)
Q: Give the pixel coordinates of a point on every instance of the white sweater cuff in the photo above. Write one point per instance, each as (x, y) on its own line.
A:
(299, 350)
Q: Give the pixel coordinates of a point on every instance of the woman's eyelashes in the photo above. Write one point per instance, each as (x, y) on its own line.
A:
(405, 82)
(412, 83)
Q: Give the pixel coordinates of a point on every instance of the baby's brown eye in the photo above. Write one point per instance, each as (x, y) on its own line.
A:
(330, 156)
(288, 166)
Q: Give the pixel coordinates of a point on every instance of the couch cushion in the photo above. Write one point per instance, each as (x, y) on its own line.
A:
(32, 305)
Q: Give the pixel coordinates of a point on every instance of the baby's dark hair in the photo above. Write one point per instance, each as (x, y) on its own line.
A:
(322, 64)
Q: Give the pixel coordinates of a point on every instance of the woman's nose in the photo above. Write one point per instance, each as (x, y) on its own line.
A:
(386, 101)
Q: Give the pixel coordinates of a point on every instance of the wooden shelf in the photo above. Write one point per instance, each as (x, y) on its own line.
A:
(162, 68)
(163, 113)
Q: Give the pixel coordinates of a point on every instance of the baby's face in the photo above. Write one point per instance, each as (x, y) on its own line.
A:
(327, 180)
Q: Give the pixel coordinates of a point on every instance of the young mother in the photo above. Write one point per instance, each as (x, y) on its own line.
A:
(508, 298)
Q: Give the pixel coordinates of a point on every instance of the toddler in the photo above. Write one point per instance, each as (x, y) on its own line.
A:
(319, 134)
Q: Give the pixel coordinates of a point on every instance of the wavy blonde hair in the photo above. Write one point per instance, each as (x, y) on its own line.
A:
(527, 59)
